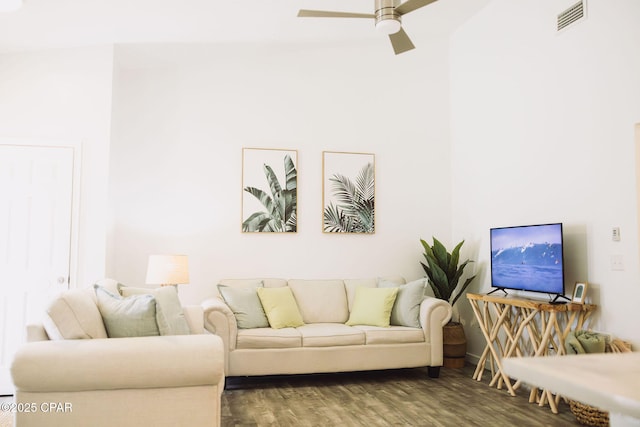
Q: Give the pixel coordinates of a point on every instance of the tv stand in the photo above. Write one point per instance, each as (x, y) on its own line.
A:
(519, 327)
(499, 289)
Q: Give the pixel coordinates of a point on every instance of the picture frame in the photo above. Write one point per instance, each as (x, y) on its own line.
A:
(269, 190)
(348, 192)
(579, 293)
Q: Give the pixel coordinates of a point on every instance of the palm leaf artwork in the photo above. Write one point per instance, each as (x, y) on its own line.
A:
(280, 204)
(354, 209)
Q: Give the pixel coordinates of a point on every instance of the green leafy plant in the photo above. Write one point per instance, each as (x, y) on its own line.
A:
(443, 271)
(354, 211)
(280, 213)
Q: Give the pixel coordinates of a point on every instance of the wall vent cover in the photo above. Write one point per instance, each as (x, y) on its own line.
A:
(572, 15)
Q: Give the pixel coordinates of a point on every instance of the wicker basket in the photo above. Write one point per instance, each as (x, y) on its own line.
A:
(586, 414)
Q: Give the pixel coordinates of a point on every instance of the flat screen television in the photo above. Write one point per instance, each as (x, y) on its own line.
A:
(528, 258)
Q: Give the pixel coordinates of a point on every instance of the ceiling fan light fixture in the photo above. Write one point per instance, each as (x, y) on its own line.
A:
(388, 19)
(388, 26)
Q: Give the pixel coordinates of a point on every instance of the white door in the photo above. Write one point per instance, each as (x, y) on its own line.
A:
(36, 185)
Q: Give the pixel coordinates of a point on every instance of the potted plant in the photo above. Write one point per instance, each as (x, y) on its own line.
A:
(443, 273)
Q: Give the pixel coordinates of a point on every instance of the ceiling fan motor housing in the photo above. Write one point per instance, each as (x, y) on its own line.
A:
(387, 19)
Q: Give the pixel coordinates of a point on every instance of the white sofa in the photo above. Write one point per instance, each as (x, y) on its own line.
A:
(92, 380)
(325, 343)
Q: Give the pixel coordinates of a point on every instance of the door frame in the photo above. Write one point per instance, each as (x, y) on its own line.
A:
(76, 147)
(637, 148)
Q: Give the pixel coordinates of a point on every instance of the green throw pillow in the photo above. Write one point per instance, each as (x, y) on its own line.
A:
(169, 314)
(592, 342)
(372, 306)
(246, 306)
(406, 308)
(127, 317)
(280, 307)
(572, 345)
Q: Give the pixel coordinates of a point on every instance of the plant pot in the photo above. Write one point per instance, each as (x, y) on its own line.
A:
(454, 345)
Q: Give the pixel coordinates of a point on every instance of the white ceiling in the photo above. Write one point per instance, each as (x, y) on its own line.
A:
(41, 24)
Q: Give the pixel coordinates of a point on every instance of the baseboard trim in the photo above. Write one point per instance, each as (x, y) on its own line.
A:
(474, 359)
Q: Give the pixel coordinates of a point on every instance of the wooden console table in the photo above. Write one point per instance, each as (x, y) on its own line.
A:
(519, 327)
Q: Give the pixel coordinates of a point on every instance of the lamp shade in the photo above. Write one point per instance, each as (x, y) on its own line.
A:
(167, 270)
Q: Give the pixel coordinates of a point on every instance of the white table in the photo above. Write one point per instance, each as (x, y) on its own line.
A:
(607, 381)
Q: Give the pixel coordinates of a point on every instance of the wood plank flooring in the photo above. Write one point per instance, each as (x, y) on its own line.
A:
(406, 397)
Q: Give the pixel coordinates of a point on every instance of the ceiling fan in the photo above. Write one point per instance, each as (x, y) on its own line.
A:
(388, 19)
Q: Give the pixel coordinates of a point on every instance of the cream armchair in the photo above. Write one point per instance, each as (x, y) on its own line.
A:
(166, 380)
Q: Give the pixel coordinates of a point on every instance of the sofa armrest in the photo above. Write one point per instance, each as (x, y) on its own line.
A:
(220, 320)
(434, 314)
(101, 364)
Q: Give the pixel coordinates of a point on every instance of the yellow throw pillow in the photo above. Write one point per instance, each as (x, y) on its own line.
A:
(372, 306)
(280, 307)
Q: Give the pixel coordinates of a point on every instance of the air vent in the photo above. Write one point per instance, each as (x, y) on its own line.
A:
(572, 15)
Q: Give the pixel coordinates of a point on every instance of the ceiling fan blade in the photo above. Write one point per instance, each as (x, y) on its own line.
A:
(411, 5)
(303, 13)
(400, 42)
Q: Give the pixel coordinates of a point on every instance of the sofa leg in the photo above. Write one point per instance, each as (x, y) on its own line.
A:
(434, 371)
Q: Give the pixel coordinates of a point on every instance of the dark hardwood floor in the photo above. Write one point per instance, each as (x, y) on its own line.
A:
(406, 397)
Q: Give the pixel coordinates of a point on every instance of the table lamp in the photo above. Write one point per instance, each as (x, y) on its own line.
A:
(165, 270)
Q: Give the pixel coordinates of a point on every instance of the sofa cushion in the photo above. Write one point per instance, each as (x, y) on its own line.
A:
(280, 307)
(406, 308)
(74, 315)
(246, 306)
(268, 338)
(330, 335)
(321, 301)
(391, 335)
(372, 306)
(134, 316)
(169, 314)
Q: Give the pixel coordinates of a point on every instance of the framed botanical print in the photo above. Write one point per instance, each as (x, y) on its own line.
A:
(269, 190)
(348, 192)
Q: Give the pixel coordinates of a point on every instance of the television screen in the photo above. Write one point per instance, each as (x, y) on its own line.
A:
(528, 258)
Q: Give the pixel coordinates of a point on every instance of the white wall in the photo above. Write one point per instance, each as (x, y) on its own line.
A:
(182, 115)
(543, 131)
(64, 97)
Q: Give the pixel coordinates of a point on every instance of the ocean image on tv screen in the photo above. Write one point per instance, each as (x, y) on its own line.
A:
(528, 258)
